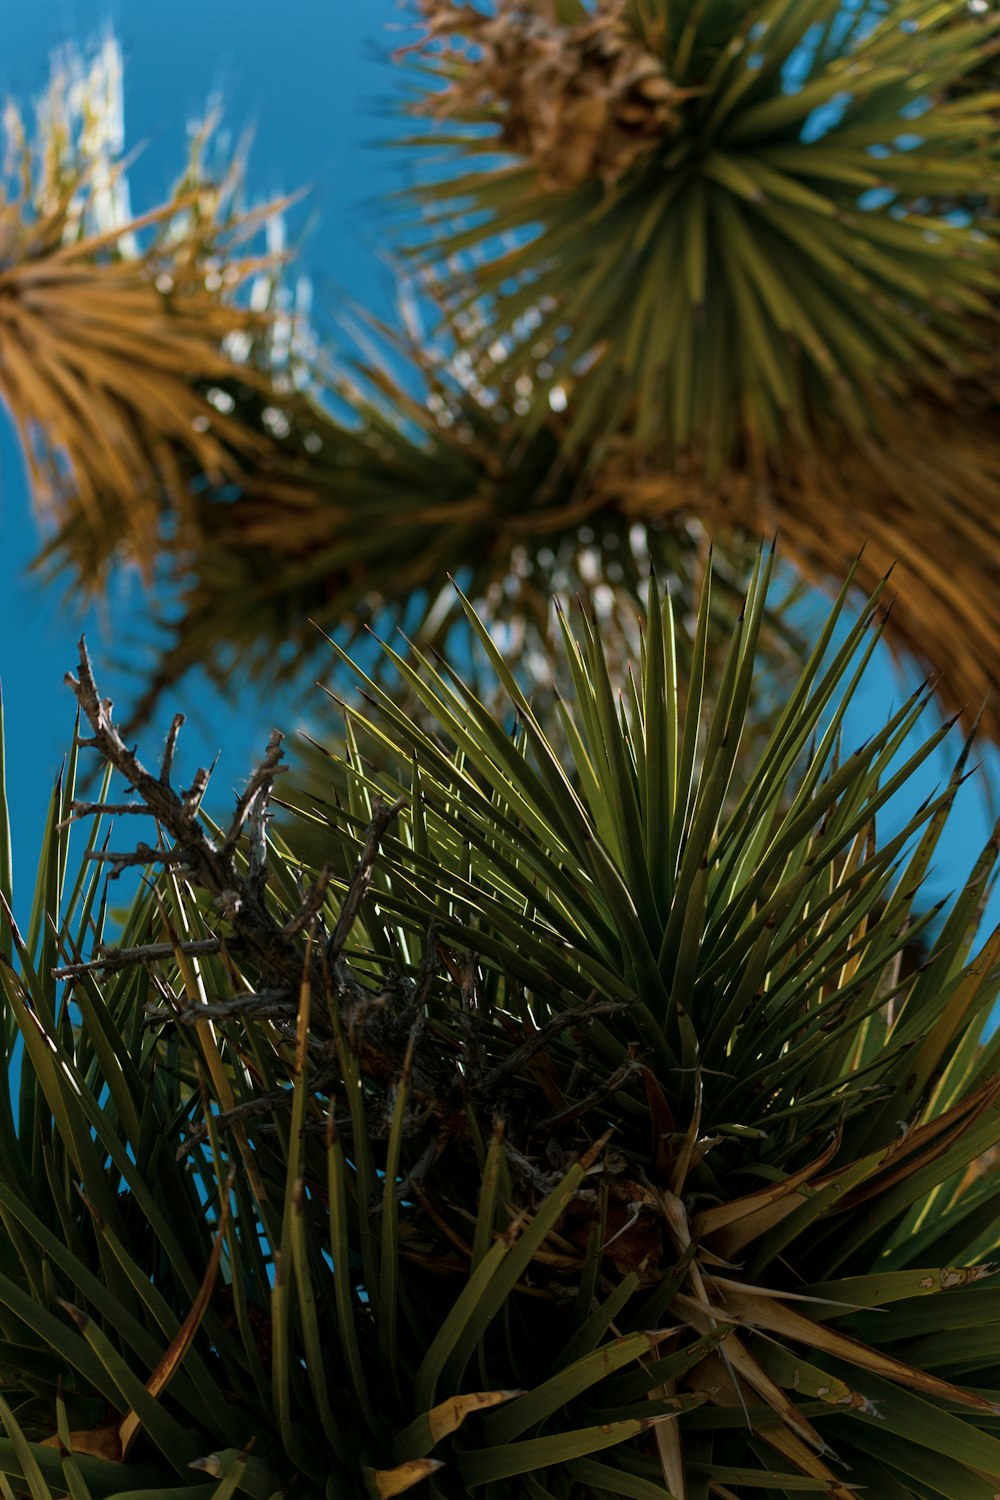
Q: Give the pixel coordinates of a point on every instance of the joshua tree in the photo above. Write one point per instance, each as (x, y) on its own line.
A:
(566, 1116)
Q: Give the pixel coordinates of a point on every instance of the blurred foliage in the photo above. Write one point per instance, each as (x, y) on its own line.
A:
(342, 495)
(813, 274)
(119, 333)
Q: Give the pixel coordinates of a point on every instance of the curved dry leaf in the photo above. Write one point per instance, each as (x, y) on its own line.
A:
(128, 1430)
(449, 1415)
(384, 1483)
(96, 1442)
(750, 1217)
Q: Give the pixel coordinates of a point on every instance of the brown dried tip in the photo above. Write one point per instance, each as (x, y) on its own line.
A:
(580, 101)
(118, 333)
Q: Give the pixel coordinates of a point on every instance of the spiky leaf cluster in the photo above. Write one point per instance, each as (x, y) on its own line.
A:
(778, 256)
(573, 1133)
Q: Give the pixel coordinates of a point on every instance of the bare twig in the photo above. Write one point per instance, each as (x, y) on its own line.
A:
(260, 1104)
(257, 838)
(258, 788)
(103, 810)
(193, 797)
(415, 1176)
(170, 747)
(212, 869)
(578, 1016)
(266, 1004)
(382, 816)
(142, 854)
(564, 1117)
(313, 901)
(113, 959)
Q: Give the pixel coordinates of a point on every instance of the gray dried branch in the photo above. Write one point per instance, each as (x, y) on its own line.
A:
(261, 1104)
(171, 745)
(311, 904)
(80, 809)
(264, 1004)
(575, 1111)
(142, 854)
(272, 951)
(112, 960)
(212, 869)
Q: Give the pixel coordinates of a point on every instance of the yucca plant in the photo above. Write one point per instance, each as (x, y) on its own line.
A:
(573, 1132)
(151, 396)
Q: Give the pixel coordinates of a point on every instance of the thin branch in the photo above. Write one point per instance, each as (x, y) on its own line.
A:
(420, 995)
(254, 928)
(103, 810)
(267, 1004)
(260, 1104)
(260, 782)
(194, 796)
(314, 898)
(382, 816)
(142, 854)
(114, 959)
(564, 1117)
(578, 1016)
(257, 839)
(171, 745)
(415, 1177)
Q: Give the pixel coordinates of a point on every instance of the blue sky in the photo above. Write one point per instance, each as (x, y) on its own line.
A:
(310, 76)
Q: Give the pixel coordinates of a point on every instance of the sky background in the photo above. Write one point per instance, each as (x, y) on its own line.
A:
(312, 78)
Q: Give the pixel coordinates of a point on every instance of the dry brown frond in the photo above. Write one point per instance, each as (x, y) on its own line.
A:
(580, 101)
(96, 368)
(116, 331)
